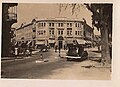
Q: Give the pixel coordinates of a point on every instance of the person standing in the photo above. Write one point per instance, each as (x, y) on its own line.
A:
(110, 50)
(56, 47)
(16, 51)
(80, 50)
(41, 53)
(23, 46)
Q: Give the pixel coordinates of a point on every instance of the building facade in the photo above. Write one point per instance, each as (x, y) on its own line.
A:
(26, 33)
(53, 31)
(9, 17)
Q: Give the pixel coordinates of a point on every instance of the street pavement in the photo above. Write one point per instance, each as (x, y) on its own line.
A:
(54, 67)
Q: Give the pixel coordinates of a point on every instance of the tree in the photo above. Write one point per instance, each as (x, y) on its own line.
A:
(102, 20)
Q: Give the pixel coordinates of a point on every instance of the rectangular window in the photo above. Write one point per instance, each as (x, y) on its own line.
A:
(41, 24)
(70, 24)
(78, 32)
(75, 32)
(34, 30)
(52, 24)
(42, 32)
(75, 24)
(44, 24)
(70, 32)
(67, 32)
(78, 25)
(58, 32)
(52, 32)
(67, 24)
(61, 32)
(60, 24)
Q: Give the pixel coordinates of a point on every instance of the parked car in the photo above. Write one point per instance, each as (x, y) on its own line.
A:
(44, 48)
(76, 52)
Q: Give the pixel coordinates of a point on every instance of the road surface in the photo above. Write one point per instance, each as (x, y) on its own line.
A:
(56, 68)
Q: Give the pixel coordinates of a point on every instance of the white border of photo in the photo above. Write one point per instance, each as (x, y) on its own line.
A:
(115, 80)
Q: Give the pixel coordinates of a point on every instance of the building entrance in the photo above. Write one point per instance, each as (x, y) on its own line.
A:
(60, 42)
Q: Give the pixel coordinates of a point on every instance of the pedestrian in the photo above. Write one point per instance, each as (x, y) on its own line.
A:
(41, 55)
(59, 50)
(56, 47)
(80, 50)
(24, 46)
(110, 50)
(16, 52)
(12, 50)
(30, 48)
(64, 47)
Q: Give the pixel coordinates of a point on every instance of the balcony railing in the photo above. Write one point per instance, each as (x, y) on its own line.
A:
(12, 16)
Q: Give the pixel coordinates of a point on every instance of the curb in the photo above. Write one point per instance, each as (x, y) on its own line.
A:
(18, 61)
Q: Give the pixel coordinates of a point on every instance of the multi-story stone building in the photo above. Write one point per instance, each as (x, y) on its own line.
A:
(26, 32)
(51, 31)
(9, 17)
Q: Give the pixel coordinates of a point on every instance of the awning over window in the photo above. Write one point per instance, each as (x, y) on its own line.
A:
(81, 41)
(88, 42)
(40, 42)
(51, 41)
(69, 41)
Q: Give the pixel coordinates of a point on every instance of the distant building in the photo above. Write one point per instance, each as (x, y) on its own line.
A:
(9, 17)
(97, 40)
(88, 35)
(26, 32)
(50, 31)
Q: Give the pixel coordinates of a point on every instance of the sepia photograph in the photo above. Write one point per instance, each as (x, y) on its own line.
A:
(57, 41)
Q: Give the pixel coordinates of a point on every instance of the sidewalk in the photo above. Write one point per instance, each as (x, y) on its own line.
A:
(5, 61)
(54, 56)
(95, 56)
(10, 58)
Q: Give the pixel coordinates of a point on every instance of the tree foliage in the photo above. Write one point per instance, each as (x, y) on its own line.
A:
(101, 19)
(102, 15)
(74, 7)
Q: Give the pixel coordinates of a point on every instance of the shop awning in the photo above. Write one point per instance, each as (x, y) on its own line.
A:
(88, 42)
(51, 41)
(40, 42)
(69, 41)
(81, 41)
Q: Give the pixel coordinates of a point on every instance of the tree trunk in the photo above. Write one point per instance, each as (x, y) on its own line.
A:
(105, 54)
(107, 57)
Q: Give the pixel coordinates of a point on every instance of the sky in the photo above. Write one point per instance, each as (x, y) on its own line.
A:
(28, 11)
